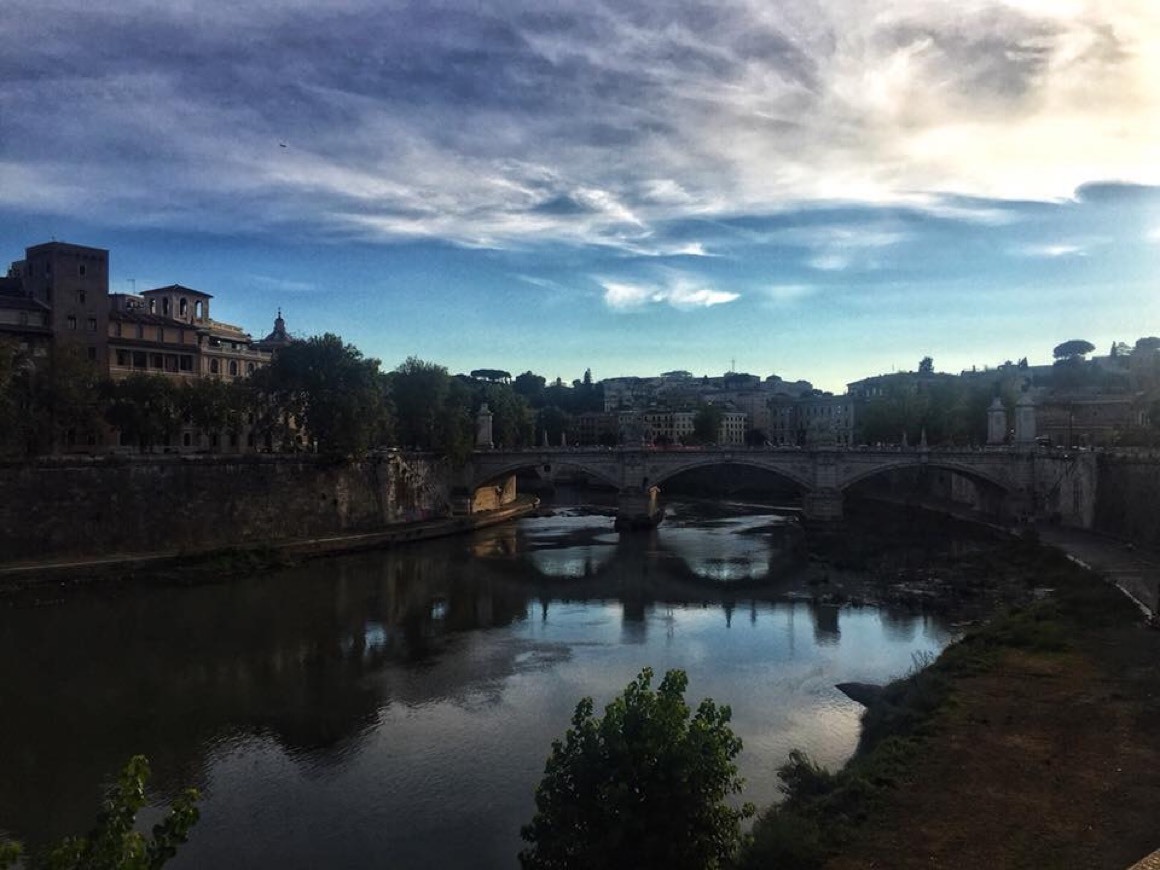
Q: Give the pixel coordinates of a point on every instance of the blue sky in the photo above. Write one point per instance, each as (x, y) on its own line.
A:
(822, 189)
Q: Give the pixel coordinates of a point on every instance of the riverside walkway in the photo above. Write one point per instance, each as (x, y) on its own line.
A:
(1133, 570)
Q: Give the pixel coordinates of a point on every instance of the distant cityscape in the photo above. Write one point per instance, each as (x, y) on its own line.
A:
(59, 293)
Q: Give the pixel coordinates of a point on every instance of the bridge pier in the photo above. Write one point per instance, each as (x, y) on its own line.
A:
(823, 505)
(638, 509)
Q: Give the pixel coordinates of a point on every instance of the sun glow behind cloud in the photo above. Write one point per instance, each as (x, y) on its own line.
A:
(621, 123)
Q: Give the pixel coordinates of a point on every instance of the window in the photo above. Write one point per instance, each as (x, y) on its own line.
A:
(197, 309)
(72, 322)
(138, 359)
(81, 272)
(186, 439)
(92, 324)
(152, 306)
(249, 368)
(155, 361)
(214, 367)
(234, 367)
(165, 306)
(93, 354)
(81, 296)
(183, 307)
(123, 358)
(186, 363)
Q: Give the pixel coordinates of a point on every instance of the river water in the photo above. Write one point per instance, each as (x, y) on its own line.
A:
(395, 709)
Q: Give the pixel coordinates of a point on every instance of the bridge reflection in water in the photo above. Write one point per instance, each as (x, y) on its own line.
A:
(402, 703)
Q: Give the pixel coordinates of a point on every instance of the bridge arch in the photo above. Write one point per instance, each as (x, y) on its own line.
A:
(967, 471)
(793, 475)
(483, 477)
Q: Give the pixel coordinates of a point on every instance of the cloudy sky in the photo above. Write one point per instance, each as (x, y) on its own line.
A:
(824, 189)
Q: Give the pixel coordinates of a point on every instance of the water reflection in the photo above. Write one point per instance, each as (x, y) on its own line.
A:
(403, 702)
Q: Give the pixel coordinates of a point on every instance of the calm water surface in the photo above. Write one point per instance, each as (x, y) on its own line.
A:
(395, 709)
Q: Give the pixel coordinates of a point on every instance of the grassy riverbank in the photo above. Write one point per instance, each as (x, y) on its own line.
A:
(1032, 742)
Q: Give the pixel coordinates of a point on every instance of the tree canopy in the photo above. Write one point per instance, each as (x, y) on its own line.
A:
(707, 424)
(330, 390)
(644, 786)
(113, 844)
(1072, 348)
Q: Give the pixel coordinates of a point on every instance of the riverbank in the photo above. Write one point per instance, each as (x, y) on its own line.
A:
(1032, 742)
(190, 565)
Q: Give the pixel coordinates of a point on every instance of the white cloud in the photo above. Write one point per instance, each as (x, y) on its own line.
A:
(678, 292)
(1053, 251)
(634, 114)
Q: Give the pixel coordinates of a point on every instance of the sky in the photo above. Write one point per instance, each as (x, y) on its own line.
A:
(821, 189)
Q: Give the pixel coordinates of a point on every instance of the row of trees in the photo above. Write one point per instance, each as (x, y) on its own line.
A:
(322, 389)
(950, 412)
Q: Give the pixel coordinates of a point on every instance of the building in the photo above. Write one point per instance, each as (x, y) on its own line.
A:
(59, 293)
(1089, 419)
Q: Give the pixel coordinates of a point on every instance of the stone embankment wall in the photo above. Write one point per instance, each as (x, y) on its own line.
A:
(1127, 502)
(108, 505)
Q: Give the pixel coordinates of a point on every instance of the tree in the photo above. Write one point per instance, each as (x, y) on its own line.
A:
(926, 366)
(213, 405)
(496, 376)
(1075, 347)
(530, 386)
(15, 395)
(113, 844)
(552, 421)
(144, 408)
(644, 787)
(327, 388)
(511, 424)
(707, 424)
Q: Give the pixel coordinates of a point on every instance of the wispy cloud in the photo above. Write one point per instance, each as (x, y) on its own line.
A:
(1053, 250)
(282, 285)
(679, 292)
(588, 125)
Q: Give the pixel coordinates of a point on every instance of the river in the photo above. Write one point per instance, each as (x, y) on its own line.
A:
(395, 709)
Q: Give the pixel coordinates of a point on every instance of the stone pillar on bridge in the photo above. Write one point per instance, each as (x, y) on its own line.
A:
(638, 509)
(823, 503)
(1025, 420)
(483, 428)
(996, 422)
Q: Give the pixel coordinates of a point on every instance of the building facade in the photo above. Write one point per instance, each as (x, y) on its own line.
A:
(59, 294)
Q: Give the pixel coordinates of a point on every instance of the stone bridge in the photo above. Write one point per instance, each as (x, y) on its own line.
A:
(1006, 475)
